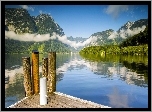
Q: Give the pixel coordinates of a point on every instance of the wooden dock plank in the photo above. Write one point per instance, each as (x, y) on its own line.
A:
(56, 100)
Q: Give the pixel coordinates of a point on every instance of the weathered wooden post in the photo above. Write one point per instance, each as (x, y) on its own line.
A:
(35, 71)
(45, 70)
(44, 67)
(51, 72)
(27, 76)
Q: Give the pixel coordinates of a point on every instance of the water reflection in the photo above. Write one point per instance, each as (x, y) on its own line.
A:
(131, 70)
(131, 73)
(118, 100)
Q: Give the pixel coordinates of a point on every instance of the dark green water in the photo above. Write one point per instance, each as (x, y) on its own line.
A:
(115, 81)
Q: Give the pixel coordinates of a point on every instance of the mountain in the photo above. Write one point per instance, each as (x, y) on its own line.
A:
(77, 39)
(126, 26)
(116, 37)
(20, 21)
(46, 24)
(139, 23)
(135, 24)
(102, 37)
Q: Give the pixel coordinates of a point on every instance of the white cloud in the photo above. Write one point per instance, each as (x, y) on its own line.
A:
(46, 37)
(115, 10)
(125, 33)
(40, 11)
(113, 35)
(28, 37)
(115, 99)
(27, 7)
(44, 12)
(63, 39)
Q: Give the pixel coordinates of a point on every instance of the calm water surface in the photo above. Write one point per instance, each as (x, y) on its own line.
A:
(115, 81)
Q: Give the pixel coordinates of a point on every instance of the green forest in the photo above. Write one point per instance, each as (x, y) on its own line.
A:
(135, 45)
(20, 21)
(22, 47)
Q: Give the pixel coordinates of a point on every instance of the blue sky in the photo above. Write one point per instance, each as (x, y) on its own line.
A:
(84, 20)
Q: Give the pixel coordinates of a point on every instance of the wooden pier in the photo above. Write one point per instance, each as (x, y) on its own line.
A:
(56, 100)
(42, 93)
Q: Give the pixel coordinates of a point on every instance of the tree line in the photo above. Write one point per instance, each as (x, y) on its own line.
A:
(15, 46)
(135, 45)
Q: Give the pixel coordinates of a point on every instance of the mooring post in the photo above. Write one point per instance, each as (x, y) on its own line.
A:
(43, 91)
(44, 67)
(51, 72)
(35, 71)
(27, 76)
(45, 70)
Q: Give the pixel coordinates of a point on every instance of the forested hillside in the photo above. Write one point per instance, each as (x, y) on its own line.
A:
(15, 46)
(20, 21)
(135, 45)
(111, 37)
(138, 39)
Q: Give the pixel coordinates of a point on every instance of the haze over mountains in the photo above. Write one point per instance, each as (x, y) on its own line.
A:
(19, 25)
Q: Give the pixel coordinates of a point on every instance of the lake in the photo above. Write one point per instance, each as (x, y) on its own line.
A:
(115, 81)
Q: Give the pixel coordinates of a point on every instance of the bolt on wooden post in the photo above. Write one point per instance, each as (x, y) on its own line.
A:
(51, 72)
(27, 76)
(35, 71)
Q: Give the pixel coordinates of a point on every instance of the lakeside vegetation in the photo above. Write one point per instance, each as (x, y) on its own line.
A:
(115, 50)
(135, 45)
(22, 47)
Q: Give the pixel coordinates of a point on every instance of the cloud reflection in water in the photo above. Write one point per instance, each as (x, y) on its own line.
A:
(118, 100)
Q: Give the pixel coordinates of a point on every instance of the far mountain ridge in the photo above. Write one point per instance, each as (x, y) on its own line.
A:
(116, 37)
